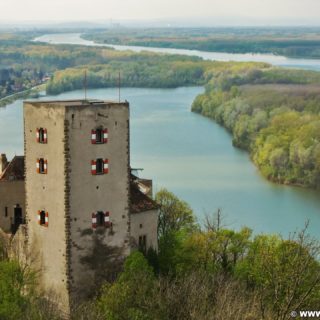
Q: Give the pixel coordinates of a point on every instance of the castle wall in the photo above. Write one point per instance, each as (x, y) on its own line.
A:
(92, 250)
(11, 194)
(73, 254)
(47, 244)
(145, 224)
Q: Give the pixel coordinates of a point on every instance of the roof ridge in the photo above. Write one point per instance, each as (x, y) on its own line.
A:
(6, 168)
(11, 166)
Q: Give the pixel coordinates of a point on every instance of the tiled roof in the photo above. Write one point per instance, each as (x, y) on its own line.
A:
(14, 170)
(139, 201)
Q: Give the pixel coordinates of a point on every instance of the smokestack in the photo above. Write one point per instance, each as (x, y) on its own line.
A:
(3, 162)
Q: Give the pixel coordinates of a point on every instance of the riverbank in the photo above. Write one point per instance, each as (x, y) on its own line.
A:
(220, 101)
(32, 93)
(288, 42)
(192, 156)
(277, 124)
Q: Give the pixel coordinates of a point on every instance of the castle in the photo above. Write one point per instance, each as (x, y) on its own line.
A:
(73, 192)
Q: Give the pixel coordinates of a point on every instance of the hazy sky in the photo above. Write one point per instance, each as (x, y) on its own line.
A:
(263, 11)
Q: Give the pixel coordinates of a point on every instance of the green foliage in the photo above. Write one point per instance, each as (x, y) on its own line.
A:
(18, 298)
(277, 124)
(289, 150)
(284, 272)
(25, 64)
(219, 274)
(213, 250)
(12, 301)
(174, 214)
(295, 42)
(131, 296)
(176, 221)
(155, 71)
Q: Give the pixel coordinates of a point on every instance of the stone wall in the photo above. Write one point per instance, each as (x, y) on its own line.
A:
(11, 194)
(95, 254)
(145, 224)
(47, 244)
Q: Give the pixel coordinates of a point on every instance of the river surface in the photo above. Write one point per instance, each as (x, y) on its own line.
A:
(75, 38)
(192, 155)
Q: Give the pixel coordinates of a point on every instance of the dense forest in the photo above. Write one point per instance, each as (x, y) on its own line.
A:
(25, 64)
(207, 272)
(272, 113)
(136, 70)
(290, 42)
(18, 72)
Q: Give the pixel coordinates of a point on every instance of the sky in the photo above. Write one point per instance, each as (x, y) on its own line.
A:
(215, 12)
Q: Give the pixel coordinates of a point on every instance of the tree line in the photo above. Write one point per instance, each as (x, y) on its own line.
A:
(200, 271)
(290, 42)
(274, 114)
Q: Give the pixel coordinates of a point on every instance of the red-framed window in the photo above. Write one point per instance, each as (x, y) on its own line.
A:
(99, 135)
(99, 166)
(42, 166)
(101, 219)
(43, 218)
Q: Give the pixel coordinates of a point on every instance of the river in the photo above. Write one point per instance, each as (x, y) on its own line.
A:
(75, 38)
(193, 157)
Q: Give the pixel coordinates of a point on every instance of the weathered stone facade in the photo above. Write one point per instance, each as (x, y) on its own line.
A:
(81, 224)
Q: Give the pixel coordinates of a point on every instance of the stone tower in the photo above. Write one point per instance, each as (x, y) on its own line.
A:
(77, 185)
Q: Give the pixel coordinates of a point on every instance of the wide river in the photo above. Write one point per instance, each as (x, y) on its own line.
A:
(75, 38)
(193, 157)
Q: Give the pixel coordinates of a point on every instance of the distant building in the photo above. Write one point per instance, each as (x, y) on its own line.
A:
(12, 193)
(84, 210)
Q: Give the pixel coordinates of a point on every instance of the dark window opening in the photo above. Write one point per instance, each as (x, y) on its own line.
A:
(41, 135)
(5, 211)
(17, 219)
(41, 166)
(99, 166)
(99, 135)
(42, 218)
(100, 219)
(143, 243)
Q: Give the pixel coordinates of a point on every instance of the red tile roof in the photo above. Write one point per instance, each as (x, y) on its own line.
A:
(14, 170)
(139, 201)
